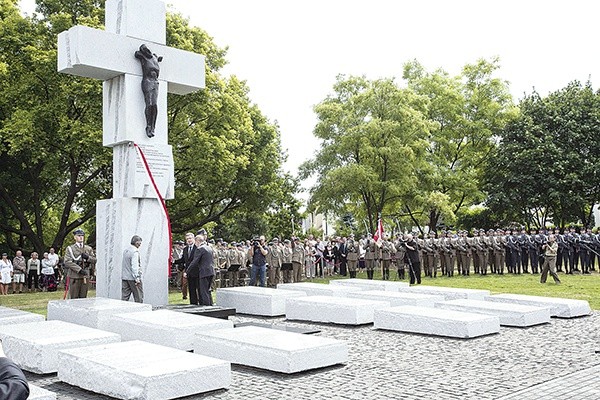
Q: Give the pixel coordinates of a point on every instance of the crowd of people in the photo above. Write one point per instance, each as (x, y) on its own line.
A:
(29, 274)
(514, 251)
(257, 261)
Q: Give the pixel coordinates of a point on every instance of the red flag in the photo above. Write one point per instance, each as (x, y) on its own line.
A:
(379, 234)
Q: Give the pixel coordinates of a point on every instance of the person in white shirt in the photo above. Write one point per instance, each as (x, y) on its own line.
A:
(6, 272)
(131, 274)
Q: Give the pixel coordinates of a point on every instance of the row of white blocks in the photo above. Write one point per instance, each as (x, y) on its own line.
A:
(159, 366)
(351, 302)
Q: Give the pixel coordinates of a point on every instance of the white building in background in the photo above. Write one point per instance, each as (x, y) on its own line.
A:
(318, 222)
(596, 214)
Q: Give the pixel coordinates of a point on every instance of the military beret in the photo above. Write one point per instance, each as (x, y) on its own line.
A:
(78, 232)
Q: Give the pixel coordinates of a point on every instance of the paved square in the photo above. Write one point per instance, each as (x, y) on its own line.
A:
(393, 365)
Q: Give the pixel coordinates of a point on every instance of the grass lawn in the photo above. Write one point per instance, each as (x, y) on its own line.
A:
(584, 287)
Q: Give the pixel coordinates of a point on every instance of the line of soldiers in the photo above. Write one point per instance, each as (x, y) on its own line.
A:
(516, 251)
(494, 251)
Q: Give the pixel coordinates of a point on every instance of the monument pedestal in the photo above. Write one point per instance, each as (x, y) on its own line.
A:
(117, 220)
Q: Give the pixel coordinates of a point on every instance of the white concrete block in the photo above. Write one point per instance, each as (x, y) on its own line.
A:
(141, 370)
(559, 307)
(398, 298)
(510, 314)
(256, 300)
(447, 292)
(117, 220)
(9, 316)
(368, 284)
(319, 289)
(143, 19)
(272, 349)
(331, 309)
(164, 327)
(34, 346)
(38, 393)
(435, 321)
(91, 311)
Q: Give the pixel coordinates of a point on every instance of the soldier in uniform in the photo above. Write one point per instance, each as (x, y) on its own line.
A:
(584, 251)
(463, 253)
(371, 251)
(596, 252)
(234, 263)
(563, 250)
(286, 261)
(275, 270)
(353, 254)
(387, 250)
(571, 251)
(533, 244)
(400, 257)
(524, 246)
(449, 253)
(220, 252)
(78, 258)
(479, 252)
(297, 260)
(499, 251)
(430, 255)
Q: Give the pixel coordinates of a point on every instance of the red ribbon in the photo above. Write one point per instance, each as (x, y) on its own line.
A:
(162, 202)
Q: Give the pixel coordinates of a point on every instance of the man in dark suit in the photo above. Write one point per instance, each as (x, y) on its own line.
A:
(201, 271)
(342, 256)
(185, 260)
(13, 384)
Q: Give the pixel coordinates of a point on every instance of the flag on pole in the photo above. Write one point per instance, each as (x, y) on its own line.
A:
(378, 237)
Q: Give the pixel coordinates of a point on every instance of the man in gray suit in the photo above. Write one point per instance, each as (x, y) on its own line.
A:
(131, 272)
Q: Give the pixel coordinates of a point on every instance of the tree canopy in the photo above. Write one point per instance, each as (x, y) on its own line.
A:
(545, 169)
(53, 167)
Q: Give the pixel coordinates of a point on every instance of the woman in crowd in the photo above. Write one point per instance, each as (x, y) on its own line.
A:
(6, 271)
(48, 280)
(33, 272)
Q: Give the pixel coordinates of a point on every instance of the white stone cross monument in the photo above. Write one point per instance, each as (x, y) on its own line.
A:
(135, 208)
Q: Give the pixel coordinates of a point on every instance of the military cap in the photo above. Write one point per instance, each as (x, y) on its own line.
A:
(78, 232)
(211, 241)
(4, 255)
(275, 239)
(286, 241)
(201, 232)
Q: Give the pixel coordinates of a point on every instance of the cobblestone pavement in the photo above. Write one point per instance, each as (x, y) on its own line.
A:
(542, 362)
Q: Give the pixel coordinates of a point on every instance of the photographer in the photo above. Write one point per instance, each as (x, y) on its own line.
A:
(257, 253)
(78, 258)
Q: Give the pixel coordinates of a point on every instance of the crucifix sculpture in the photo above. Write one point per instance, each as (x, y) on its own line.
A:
(134, 111)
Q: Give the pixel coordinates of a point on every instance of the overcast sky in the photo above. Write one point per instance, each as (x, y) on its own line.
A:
(290, 52)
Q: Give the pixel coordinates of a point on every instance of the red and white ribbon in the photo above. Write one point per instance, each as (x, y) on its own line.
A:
(162, 202)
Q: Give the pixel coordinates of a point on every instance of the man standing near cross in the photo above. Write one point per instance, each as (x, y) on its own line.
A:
(134, 124)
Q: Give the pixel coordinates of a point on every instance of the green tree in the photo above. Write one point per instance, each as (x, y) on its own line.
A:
(545, 168)
(372, 137)
(468, 111)
(53, 167)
